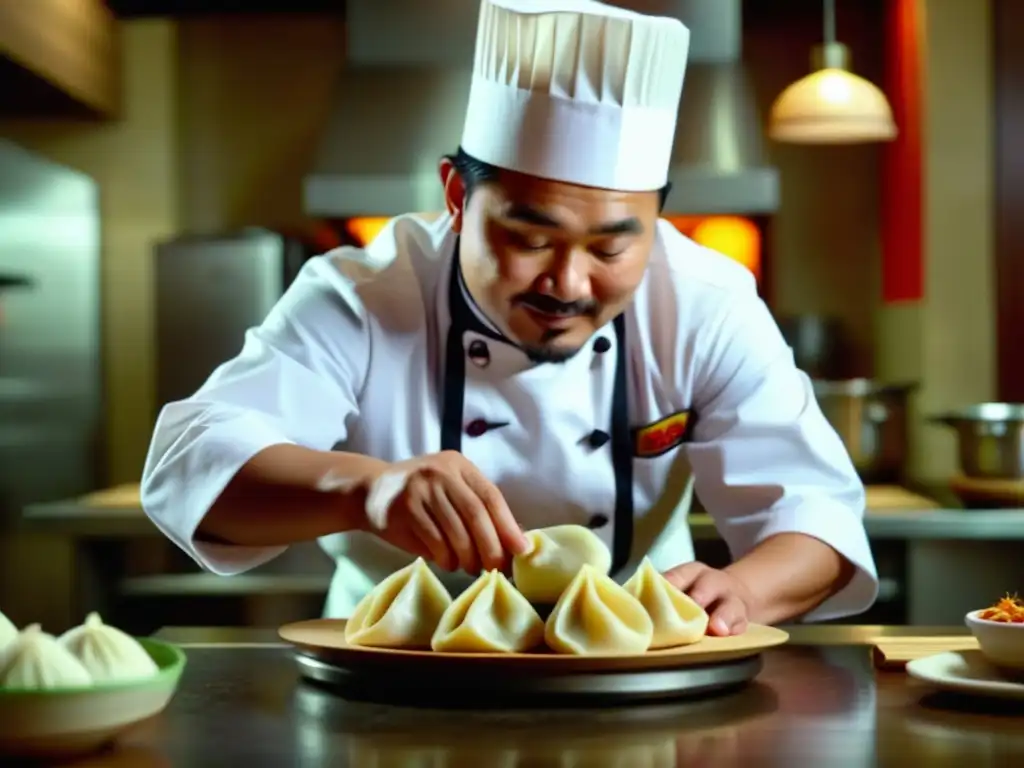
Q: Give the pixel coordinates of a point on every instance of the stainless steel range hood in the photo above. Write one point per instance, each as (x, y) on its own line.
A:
(401, 102)
(718, 163)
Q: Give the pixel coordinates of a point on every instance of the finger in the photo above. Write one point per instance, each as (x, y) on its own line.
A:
(728, 618)
(682, 577)
(422, 524)
(450, 522)
(503, 521)
(707, 590)
(404, 537)
(478, 522)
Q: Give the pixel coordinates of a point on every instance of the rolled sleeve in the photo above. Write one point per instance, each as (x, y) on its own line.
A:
(765, 459)
(208, 456)
(833, 524)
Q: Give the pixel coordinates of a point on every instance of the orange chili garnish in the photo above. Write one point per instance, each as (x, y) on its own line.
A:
(1009, 610)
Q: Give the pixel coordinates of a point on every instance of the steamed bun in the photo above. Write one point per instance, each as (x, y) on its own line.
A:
(401, 612)
(678, 620)
(106, 652)
(35, 660)
(595, 616)
(556, 556)
(8, 632)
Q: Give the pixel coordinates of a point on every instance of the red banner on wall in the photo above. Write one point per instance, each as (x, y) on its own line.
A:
(903, 259)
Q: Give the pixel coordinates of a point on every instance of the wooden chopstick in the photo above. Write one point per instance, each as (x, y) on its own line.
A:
(895, 652)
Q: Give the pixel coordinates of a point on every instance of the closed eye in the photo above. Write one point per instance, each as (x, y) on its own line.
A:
(609, 250)
(526, 242)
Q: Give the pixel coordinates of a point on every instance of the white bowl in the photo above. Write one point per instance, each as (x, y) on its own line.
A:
(1000, 642)
(69, 722)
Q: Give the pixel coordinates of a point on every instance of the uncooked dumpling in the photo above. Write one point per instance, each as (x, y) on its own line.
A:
(108, 653)
(7, 632)
(595, 616)
(35, 660)
(401, 612)
(556, 556)
(677, 619)
(489, 617)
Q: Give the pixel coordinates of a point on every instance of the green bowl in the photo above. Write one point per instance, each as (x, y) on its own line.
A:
(70, 722)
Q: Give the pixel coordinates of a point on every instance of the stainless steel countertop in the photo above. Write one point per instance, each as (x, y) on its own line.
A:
(240, 701)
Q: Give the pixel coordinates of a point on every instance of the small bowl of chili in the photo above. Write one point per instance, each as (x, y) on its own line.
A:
(999, 630)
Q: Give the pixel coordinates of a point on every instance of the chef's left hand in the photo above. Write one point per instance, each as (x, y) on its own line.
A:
(726, 599)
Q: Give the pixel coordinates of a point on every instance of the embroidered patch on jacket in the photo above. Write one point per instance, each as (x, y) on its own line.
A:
(662, 436)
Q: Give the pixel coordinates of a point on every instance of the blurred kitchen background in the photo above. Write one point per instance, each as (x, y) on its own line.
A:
(166, 166)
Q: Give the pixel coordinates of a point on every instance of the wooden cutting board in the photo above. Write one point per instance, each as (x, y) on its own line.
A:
(1009, 492)
(884, 498)
(119, 497)
(893, 653)
(325, 639)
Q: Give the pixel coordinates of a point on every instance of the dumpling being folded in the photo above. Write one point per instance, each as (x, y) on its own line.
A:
(401, 612)
(8, 632)
(36, 661)
(556, 556)
(489, 617)
(677, 619)
(108, 653)
(595, 616)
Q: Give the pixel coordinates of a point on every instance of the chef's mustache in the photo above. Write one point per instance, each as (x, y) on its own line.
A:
(552, 306)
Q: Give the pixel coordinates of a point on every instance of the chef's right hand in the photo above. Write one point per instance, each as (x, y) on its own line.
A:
(441, 507)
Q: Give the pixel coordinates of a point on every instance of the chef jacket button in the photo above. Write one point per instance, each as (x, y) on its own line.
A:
(478, 427)
(597, 521)
(479, 354)
(602, 345)
(597, 438)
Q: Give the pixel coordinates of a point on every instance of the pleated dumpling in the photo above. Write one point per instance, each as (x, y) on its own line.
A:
(489, 617)
(36, 661)
(595, 616)
(8, 632)
(555, 557)
(677, 619)
(401, 612)
(108, 653)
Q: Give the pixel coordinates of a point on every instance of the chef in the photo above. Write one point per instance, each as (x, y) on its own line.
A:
(545, 352)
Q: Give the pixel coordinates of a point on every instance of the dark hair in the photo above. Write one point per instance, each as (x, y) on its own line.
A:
(475, 172)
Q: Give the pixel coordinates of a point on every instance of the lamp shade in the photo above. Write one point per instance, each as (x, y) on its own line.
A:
(831, 106)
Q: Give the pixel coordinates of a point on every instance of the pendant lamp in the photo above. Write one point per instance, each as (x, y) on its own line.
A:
(831, 105)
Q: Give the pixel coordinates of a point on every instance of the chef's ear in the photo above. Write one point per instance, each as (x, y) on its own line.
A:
(454, 192)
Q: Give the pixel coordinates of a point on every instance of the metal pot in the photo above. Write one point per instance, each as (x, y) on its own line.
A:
(872, 420)
(990, 439)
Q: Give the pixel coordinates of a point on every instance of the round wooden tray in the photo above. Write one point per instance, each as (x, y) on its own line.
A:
(325, 640)
(486, 680)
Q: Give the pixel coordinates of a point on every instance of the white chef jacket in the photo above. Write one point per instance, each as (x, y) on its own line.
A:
(380, 351)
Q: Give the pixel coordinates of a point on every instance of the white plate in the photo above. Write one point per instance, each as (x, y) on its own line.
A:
(964, 672)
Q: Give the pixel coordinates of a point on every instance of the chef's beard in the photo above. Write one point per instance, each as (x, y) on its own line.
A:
(547, 352)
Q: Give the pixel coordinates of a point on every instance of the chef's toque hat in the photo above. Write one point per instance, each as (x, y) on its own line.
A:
(576, 91)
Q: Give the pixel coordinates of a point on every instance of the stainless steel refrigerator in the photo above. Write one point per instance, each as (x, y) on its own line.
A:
(51, 443)
(209, 291)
